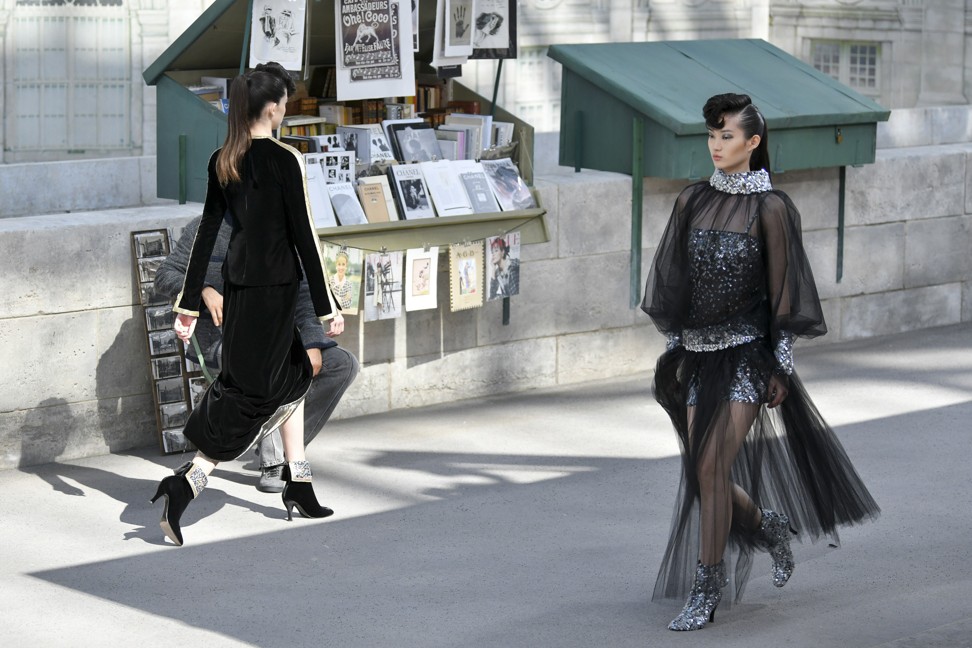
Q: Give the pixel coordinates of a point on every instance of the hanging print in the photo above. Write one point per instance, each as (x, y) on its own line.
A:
(421, 272)
(466, 275)
(494, 29)
(503, 265)
(277, 33)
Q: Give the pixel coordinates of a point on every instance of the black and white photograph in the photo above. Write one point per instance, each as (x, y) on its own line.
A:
(158, 318)
(338, 166)
(494, 29)
(167, 367)
(503, 266)
(163, 342)
(197, 388)
(170, 390)
(151, 244)
(149, 297)
(147, 268)
(173, 440)
(173, 414)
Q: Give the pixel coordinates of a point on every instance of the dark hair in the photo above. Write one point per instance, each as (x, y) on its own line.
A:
(751, 121)
(249, 95)
(484, 19)
(274, 68)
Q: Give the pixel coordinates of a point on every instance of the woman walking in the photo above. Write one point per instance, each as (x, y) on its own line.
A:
(258, 184)
(731, 288)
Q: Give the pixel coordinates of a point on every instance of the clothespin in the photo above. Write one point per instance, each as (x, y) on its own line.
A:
(426, 247)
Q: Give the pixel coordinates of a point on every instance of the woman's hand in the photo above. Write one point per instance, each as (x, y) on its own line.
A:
(777, 391)
(184, 325)
(336, 327)
(214, 304)
(316, 359)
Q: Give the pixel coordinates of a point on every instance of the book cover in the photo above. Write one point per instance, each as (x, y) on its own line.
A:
(332, 142)
(483, 122)
(386, 189)
(502, 133)
(372, 198)
(476, 185)
(338, 166)
(345, 202)
(386, 125)
(320, 203)
(452, 140)
(448, 196)
(503, 266)
(416, 142)
(344, 266)
(411, 191)
(421, 274)
(465, 275)
(507, 185)
(383, 286)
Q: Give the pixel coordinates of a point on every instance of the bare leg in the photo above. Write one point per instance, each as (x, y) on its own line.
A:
(292, 434)
(717, 492)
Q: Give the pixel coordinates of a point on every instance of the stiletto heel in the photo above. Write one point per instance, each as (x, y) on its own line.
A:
(299, 493)
(704, 598)
(773, 537)
(178, 490)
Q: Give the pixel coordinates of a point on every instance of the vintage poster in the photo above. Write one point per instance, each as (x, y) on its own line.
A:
(466, 275)
(383, 286)
(392, 78)
(421, 272)
(365, 32)
(277, 33)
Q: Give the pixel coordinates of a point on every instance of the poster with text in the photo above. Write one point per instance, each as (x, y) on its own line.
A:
(391, 76)
(277, 33)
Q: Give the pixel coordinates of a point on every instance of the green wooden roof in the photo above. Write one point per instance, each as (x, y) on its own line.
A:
(670, 81)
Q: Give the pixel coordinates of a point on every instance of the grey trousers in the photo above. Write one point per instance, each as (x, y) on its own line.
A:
(338, 370)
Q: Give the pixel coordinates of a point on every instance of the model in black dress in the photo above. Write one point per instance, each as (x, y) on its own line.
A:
(731, 287)
(258, 184)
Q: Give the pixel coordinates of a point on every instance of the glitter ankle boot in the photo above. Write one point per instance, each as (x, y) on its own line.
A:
(704, 598)
(774, 537)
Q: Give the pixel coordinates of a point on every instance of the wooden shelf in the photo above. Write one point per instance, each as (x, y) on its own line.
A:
(402, 235)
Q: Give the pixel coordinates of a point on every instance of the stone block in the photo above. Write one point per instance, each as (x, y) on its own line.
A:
(560, 296)
(814, 192)
(369, 394)
(968, 183)
(423, 333)
(901, 310)
(550, 200)
(594, 214)
(378, 342)
(937, 251)
(607, 354)
(873, 259)
(472, 373)
(967, 301)
(56, 430)
(80, 356)
(907, 184)
(72, 262)
(831, 311)
(657, 204)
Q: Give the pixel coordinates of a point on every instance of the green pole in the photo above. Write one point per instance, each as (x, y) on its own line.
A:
(842, 186)
(637, 189)
(183, 171)
(578, 140)
(496, 83)
(246, 35)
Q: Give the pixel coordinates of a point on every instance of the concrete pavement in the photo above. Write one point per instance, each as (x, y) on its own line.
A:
(533, 520)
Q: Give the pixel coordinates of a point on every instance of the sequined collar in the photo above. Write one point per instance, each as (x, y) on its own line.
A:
(746, 182)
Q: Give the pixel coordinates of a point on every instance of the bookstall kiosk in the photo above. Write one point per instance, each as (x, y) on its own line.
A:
(190, 129)
(651, 96)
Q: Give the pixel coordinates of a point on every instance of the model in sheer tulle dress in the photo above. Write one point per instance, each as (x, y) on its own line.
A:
(731, 288)
(258, 184)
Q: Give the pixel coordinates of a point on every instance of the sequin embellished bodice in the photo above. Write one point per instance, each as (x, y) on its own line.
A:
(726, 275)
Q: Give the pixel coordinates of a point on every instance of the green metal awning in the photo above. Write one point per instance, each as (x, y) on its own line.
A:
(666, 84)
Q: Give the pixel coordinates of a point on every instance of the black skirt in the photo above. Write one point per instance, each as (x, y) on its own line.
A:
(791, 461)
(265, 372)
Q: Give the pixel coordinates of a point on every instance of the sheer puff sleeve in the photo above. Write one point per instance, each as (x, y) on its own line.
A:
(794, 305)
(667, 289)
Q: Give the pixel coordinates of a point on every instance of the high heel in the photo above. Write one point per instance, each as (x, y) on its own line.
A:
(704, 598)
(298, 492)
(774, 537)
(179, 489)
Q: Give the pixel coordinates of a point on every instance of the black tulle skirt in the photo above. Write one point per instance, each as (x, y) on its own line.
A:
(791, 460)
(264, 374)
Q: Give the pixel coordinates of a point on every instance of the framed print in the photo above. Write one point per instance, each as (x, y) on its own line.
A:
(151, 244)
(494, 30)
(167, 367)
(147, 268)
(163, 342)
(421, 273)
(466, 275)
(159, 317)
(173, 414)
(170, 390)
(173, 440)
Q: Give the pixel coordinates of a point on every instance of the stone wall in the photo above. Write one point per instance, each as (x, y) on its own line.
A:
(72, 340)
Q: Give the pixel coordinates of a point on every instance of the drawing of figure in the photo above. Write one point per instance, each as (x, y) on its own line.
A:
(420, 280)
(268, 25)
(285, 26)
(487, 24)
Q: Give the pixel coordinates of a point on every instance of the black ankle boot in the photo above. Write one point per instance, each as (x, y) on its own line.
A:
(179, 489)
(299, 492)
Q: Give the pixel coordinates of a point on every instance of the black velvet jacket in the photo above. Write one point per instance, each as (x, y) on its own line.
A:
(272, 231)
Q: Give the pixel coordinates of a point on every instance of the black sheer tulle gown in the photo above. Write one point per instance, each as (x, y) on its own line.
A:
(731, 287)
